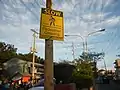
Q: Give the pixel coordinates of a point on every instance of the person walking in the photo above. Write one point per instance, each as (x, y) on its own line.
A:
(52, 21)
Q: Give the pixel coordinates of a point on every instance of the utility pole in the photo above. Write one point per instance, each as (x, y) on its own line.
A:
(105, 64)
(48, 70)
(33, 51)
(73, 52)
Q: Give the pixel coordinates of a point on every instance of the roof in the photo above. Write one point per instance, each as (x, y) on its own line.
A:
(19, 61)
(26, 74)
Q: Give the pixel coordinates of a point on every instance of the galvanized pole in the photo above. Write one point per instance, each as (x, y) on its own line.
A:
(33, 51)
(73, 51)
(33, 65)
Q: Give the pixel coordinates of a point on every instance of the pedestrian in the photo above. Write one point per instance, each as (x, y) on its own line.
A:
(52, 21)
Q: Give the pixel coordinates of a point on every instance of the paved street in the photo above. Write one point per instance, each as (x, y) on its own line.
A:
(110, 86)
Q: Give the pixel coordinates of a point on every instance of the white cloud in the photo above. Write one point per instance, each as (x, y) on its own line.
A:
(28, 0)
(80, 17)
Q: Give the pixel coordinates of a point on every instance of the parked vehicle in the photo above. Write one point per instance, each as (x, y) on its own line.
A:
(37, 88)
(40, 85)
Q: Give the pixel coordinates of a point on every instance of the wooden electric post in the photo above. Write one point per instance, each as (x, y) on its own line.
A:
(48, 70)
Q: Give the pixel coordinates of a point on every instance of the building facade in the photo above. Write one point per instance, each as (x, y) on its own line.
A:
(23, 67)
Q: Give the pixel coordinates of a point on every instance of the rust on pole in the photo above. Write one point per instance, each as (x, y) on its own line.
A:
(48, 70)
(49, 4)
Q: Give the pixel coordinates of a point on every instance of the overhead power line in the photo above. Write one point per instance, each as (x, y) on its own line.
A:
(37, 3)
(29, 10)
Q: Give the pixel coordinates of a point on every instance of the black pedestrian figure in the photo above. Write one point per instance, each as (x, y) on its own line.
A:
(52, 21)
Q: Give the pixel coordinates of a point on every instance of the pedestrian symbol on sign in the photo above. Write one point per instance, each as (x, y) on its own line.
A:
(52, 21)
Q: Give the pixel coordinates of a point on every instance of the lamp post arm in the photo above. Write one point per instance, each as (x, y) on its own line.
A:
(95, 32)
(80, 37)
(75, 35)
(83, 40)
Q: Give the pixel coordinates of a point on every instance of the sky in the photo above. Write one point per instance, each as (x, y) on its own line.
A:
(81, 17)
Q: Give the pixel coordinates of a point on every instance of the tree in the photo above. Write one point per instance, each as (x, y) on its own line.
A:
(63, 72)
(92, 56)
(7, 51)
(85, 69)
(82, 75)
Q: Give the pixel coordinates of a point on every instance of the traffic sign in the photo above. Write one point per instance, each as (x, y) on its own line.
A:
(51, 25)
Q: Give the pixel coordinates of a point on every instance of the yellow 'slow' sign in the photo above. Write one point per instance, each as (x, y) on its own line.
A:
(51, 26)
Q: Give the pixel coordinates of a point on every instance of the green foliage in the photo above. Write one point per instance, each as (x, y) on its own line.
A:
(7, 51)
(83, 70)
(64, 62)
(82, 75)
(92, 56)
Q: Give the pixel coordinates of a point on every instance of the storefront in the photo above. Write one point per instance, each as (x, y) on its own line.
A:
(26, 78)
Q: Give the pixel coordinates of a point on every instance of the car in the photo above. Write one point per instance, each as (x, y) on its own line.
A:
(40, 85)
(37, 88)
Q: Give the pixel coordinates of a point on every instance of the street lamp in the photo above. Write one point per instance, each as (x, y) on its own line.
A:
(85, 45)
(84, 39)
(81, 38)
(89, 34)
(101, 30)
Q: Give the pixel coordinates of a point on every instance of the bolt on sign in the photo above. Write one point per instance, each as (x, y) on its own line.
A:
(51, 24)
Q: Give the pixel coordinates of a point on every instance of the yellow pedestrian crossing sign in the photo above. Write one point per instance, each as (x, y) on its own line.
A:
(51, 24)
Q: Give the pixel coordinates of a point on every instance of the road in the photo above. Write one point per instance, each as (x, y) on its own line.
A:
(110, 86)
